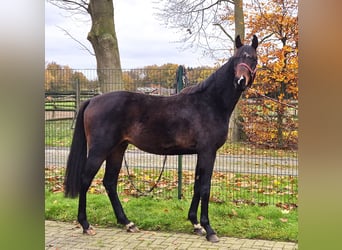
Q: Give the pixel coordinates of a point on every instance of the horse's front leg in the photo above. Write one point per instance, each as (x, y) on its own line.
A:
(192, 215)
(206, 164)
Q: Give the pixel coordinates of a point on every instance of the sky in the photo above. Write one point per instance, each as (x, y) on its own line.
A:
(143, 40)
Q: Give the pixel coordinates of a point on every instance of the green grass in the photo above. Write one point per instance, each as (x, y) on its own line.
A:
(156, 214)
(58, 133)
(69, 105)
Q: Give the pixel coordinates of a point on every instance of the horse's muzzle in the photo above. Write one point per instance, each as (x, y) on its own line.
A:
(241, 83)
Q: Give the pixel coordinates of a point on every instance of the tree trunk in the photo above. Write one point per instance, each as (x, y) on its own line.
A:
(239, 19)
(239, 30)
(103, 38)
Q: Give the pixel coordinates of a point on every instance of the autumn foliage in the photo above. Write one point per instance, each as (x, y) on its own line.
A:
(266, 122)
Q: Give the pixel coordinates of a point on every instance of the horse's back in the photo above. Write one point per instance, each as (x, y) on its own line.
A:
(177, 124)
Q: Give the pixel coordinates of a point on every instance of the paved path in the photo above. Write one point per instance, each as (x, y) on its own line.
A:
(60, 235)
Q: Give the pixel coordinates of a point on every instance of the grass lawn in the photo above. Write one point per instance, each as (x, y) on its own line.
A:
(232, 212)
(158, 214)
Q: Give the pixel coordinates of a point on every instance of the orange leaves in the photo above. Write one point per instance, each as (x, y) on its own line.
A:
(269, 124)
(266, 123)
(277, 26)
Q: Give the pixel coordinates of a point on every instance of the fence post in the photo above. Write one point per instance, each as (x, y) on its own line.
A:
(180, 74)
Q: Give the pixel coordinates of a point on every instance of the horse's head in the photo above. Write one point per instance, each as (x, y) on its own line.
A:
(245, 63)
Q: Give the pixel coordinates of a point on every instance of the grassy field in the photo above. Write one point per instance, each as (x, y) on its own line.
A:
(233, 212)
(153, 213)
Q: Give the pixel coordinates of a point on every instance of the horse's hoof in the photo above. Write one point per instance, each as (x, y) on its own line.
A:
(212, 238)
(199, 230)
(131, 228)
(90, 231)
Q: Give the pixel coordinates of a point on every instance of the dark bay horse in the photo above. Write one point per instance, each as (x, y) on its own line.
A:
(195, 121)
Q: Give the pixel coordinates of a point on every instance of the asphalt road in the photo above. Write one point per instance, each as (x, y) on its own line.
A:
(256, 164)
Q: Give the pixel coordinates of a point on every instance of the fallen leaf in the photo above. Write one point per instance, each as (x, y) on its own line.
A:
(283, 220)
(276, 183)
(260, 217)
(215, 199)
(234, 212)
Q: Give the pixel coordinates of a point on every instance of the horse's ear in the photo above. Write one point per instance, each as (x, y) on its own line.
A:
(238, 42)
(255, 42)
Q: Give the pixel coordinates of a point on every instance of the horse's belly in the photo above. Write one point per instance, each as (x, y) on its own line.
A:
(167, 150)
(164, 145)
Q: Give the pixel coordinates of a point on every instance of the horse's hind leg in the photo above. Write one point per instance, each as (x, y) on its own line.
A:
(93, 164)
(110, 181)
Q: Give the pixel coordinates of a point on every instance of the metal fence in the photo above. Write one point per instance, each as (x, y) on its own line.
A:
(247, 170)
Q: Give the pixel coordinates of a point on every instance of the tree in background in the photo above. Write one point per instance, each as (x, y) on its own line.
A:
(61, 78)
(202, 24)
(102, 37)
(276, 22)
(198, 74)
(58, 77)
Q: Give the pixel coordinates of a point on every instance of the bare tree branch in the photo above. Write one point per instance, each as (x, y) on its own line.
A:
(266, 37)
(197, 20)
(80, 43)
(69, 5)
(224, 31)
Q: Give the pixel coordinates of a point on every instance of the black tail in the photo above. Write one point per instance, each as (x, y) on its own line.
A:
(77, 156)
